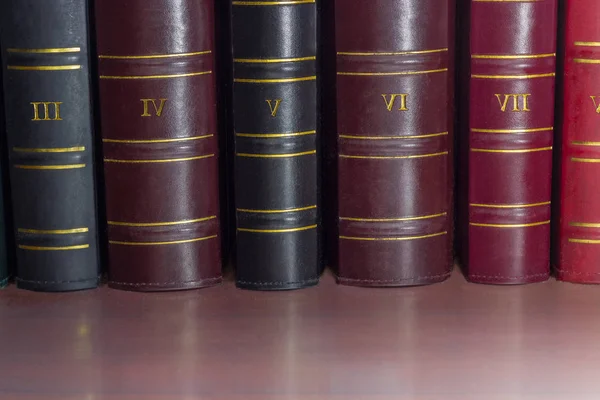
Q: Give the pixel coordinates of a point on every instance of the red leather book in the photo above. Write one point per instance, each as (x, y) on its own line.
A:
(158, 115)
(394, 81)
(579, 226)
(513, 63)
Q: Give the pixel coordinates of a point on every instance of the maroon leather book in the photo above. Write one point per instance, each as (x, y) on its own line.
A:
(394, 81)
(158, 115)
(579, 226)
(513, 61)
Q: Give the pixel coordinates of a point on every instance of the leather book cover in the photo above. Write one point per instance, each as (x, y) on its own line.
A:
(512, 71)
(50, 143)
(394, 129)
(276, 162)
(3, 190)
(579, 224)
(158, 109)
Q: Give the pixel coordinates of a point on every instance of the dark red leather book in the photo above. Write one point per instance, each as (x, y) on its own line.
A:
(394, 81)
(158, 115)
(513, 62)
(579, 227)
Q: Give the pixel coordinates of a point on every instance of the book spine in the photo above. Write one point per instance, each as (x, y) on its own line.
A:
(50, 142)
(159, 133)
(275, 122)
(512, 85)
(579, 222)
(3, 190)
(394, 128)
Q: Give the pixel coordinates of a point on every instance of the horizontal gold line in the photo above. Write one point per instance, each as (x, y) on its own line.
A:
(585, 225)
(53, 248)
(394, 238)
(585, 160)
(586, 61)
(43, 67)
(587, 44)
(532, 76)
(50, 167)
(150, 56)
(512, 151)
(545, 203)
(391, 53)
(46, 51)
(112, 160)
(302, 228)
(393, 219)
(509, 225)
(393, 137)
(511, 56)
(524, 130)
(161, 243)
(49, 150)
(275, 135)
(141, 224)
(273, 60)
(283, 80)
(506, 1)
(53, 231)
(156, 140)
(247, 210)
(304, 153)
(155, 76)
(443, 153)
(583, 143)
(431, 71)
(584, 241)
(271, 3)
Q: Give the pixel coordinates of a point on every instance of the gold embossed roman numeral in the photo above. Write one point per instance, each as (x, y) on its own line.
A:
(42, 110)
(390, 103)
(158, 109)
(596, 103)
(274, 107)
(519, 102)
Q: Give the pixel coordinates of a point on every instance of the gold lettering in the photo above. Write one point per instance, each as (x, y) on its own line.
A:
(157, 109)
(274, 108)
(390, 104)
(503, 102)
(46, 105)
(596, 104)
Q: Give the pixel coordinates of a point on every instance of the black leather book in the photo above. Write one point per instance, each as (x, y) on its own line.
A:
(3, 255)
(49, 130)
(275, 124)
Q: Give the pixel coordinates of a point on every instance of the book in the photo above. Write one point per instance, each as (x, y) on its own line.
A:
(3, 186)
(276, 160)
(395, 141)
(158, 114)
(579, 215)
(48, 111)
(510, 139)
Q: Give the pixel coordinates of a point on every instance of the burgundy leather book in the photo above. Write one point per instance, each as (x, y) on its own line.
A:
(513, 62)
(579, 227)
(394, 81)
(158, 115)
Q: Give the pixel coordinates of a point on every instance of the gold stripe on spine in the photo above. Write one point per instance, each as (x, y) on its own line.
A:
(49, 150)
(170, 223)
(50, 167)
(304, 153)
(585, 224)
(587, 44)
(510, 225)
(302, 228)
(506, 1)
(389, 239)
(128, 77)
(247, 210)
(511, 56)
(428, 135)
(151, 56)
(586, 61)
(271, 3)
(431, 71)
(273, 60)
(584, 143)
(585, 160)
(443, 153)
(46, 51)
(53, 231)
(53, 248)
(391, 53)
(112, 160)
(393, 219)
(282, 80)
(531, 76)
(275, 135)
(545, 203)
(162, 243)
(141, 141)
(584, 241)
(512, 151)
(524, 130)
(43, 67)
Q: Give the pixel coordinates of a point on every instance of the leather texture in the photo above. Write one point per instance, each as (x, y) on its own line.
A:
(50, 141)
(579, 226)
(275, 122)
(394, 130)
(159, 132)
(3, 187)
(512, 85)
